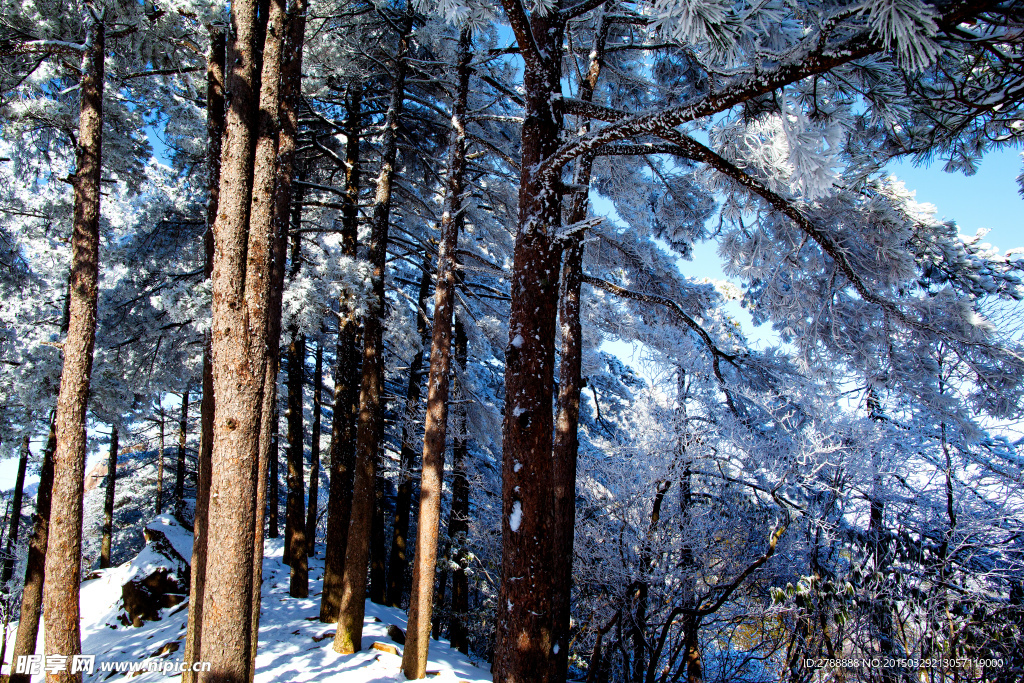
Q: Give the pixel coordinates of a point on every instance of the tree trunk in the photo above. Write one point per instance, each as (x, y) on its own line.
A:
(378, 542)
(242, 282)
(526, 638)
(215, 133)
(274, 483)
(32, 589)
(566, 446)
(398, 561)
(160, 467)
(295, 523)
(368, 436)
(108, 501)
(346, 395)
(421, 597)
(179, 471)
(291, 84)
(63, 557)
(19, 491)
(458, 522)
(314, 452)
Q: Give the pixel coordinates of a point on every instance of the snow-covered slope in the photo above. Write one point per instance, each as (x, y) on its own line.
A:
(293, 645)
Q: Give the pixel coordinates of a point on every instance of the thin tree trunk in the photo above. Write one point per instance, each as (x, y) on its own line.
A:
(63, 557)
(35, 568)
(346, 395)
(19, 492)
(526, 638)
(274, 483)
(179, 471)
(566, 445)
(370, 422)
(458, 523)
(242, 315)
(378, 542)
(399, 539)
(421, 597)
(291, 84)
(215, 133)
(314, 452)
(295, 523)
(108, 501)
(160, 467)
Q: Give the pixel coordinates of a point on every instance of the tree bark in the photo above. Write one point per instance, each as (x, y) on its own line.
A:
(346, 395)
(242, 282)
(295, 523)
(215, 133)
(19, 492)
(527, 634)
(421, 597)
(314, 453)
(179, 470)
(566, 445)
(274, 482)
(63, 557)
(35, 568)
(108, 500)
(368, 435)
(291, 84)
(458, 523)
(397, 560)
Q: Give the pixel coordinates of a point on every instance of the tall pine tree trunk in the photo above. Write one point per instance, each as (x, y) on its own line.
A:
(458, 523)
(397, 560)
(179, 471)
(346, 395)
(314, 452)
(421, 597)
(32, 589)
(64, 552)
(215, 133)
(291, 84)
(108, 500)
(242, 279)
(526, 639)
(19, 492)
(371, 400)
(566, 445)
(274, 453)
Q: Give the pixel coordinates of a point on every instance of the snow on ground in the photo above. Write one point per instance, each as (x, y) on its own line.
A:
(293, 645)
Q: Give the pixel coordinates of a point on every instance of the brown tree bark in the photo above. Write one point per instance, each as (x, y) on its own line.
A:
(346, 394)
(242, 283)
(314, 453)
(19, 492)
(35, 568)
(370, 421)
(526, 639)
(274, 453)
(108, 500)
(179, 470)
(421, 597)
(400, 526)
(215, 133)
(63, 556)
(566, 445)
(291, 83)
(295, 523)
(458, 522)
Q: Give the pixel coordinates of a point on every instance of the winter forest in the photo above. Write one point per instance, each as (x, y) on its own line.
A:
(329, 292)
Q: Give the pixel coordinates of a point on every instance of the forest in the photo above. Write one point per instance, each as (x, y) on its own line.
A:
(356, 274)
